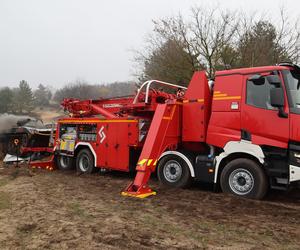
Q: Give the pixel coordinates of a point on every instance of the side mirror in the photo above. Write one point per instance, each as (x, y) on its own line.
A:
(277, 100)
(277, 97)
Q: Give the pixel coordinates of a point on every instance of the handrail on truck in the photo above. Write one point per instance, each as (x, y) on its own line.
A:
(148, 84)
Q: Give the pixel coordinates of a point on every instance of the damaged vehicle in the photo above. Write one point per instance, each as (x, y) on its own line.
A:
(30, 139)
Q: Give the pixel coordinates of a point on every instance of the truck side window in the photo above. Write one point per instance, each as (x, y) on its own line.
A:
(258, 95)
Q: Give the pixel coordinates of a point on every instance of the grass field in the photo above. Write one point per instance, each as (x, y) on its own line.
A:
(57, 210)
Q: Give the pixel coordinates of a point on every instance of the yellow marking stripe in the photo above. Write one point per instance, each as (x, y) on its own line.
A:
(219, 95)
(149, 162)
(194, 100)
(141, 162)
(95, 121)
(227, 98)
(217, 92)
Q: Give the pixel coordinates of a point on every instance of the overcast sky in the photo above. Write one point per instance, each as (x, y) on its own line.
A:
(57, 41)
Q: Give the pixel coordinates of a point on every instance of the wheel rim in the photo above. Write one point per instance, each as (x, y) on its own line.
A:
(84, 163)
(241, 181)
(172, 171)
(64, 161)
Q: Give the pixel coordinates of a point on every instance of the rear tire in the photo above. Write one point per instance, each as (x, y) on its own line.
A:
(64, 163)
(85, 162)
(244, 178)
(173, 171)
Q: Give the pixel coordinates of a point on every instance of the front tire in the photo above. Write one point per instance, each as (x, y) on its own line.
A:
(173, 171)
(85, 162)
(244, 178)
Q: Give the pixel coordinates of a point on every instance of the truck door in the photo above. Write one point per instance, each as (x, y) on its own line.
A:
(260, 122)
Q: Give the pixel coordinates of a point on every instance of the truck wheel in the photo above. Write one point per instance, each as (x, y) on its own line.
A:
(173, 171)
(85, 162)
(64, 162)
(245, 178)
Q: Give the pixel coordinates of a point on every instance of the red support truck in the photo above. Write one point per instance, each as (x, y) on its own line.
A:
(240, 132)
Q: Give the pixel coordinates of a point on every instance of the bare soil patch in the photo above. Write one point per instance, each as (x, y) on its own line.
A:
(63, 210)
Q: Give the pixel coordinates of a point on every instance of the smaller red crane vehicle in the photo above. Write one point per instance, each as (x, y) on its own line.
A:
(240, 132)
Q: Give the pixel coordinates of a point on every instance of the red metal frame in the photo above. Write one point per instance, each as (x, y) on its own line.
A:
(36, 149)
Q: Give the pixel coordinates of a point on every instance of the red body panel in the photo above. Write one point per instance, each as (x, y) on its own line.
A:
(226, 124)
(113, 140)
(196, 109)
(113, 151)
(225, 120)
(295, 127)
(265, 126)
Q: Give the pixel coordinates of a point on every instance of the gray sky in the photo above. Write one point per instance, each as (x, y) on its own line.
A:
(57, 41)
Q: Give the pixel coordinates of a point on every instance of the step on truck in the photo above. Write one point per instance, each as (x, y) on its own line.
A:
(239, 132)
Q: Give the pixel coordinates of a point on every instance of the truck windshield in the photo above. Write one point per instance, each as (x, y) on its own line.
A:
(292, 81)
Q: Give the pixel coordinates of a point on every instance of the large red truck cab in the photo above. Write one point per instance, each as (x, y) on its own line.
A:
(254, 125)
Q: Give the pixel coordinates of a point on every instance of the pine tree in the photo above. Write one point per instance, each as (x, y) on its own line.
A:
(24, 98)
(42, 96)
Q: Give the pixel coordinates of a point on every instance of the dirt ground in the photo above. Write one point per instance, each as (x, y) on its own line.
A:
(59, 210)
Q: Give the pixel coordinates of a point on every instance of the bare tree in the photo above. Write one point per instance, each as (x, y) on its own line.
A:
(288, 36)
(202, 41)
(213, 30)
(168, 54)
(263, 41)
(176, 30)
(215, 39)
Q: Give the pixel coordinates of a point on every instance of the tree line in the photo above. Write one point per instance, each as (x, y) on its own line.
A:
(23, 99)
(213, 39)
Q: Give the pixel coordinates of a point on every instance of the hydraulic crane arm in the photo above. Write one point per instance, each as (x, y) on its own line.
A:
(163, 134)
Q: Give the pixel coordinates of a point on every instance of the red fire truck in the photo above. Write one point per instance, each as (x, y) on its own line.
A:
(240, 132)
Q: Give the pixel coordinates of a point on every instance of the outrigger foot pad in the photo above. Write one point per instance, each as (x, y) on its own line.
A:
(141, 192)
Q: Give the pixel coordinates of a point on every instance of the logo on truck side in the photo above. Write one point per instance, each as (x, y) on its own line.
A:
(102, 134)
